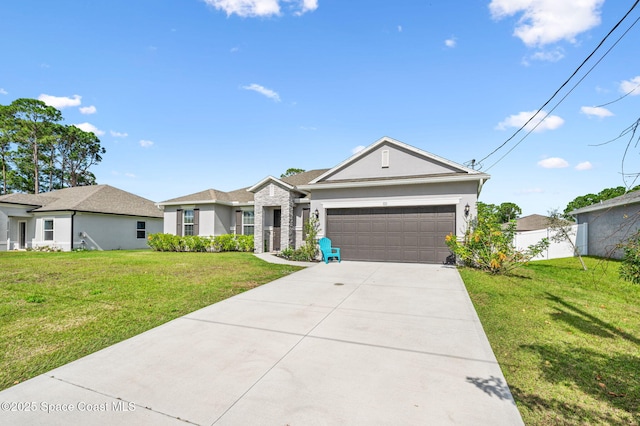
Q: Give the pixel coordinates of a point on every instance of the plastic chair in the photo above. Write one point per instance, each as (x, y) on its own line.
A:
(327, 250)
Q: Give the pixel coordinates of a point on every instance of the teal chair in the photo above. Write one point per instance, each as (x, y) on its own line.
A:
(327, 250)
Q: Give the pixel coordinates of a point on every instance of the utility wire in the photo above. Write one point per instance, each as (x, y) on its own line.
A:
(566, 95)
(562, 86)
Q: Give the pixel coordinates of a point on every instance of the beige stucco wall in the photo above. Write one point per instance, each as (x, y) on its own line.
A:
(401, 163)
(214, 219)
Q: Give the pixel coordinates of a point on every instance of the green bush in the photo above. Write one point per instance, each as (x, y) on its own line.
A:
(194, 243)
(245, 243)
(488, 245)
(630, 266)
(309, 251)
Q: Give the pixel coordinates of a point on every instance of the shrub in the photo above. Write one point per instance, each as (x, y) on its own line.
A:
(488, 245)
(195, 243)
(309, 251)
(630, 266)
(245, 243)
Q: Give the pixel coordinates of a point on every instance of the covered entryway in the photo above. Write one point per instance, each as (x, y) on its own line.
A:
(392, 234)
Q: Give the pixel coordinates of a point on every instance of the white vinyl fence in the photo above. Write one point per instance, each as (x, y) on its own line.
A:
(556, 250)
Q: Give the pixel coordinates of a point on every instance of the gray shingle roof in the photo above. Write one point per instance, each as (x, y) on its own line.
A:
(304, 177)
(622, 200)
(534, 222)
(241, 195)
(94, 199)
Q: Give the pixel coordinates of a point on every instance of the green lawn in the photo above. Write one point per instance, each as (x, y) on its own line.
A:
(57, 307)
(568, 341)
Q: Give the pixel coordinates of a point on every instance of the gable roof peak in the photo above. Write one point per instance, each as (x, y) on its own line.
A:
(386, 140)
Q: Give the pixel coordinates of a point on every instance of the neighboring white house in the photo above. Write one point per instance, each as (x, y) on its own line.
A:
(533, 228)
(389, 202)
(98, 217)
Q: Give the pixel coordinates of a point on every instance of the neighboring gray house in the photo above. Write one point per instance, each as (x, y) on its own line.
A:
(97, 217)
(389, 202)
(610, 223)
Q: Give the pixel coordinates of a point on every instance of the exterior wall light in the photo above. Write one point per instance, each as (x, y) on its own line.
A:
(466, 210)
(316, 214)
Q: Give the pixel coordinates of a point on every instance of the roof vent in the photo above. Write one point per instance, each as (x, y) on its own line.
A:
(385, 158)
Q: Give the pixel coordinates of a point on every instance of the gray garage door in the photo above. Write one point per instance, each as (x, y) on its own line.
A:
(392, 234)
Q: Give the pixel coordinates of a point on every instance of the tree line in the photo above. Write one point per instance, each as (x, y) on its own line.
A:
(39, 154)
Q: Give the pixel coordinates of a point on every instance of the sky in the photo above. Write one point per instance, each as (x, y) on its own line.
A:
(187, 95)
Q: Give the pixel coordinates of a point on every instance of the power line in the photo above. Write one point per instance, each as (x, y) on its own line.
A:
(561, 87)
(567, 94)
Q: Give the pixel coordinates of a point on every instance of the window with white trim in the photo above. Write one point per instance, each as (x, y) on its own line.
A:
(141, 229)
(48, 230)
(247, 222)
(188, 222)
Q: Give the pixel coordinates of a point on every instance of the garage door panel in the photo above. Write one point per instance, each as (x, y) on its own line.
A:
(396, 234)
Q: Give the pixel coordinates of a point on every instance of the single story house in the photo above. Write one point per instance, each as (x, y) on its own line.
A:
(533, 228)
(389, 202)
(609, 224)
(97, 217)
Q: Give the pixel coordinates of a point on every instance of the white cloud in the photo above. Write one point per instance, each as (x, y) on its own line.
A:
(307, 6)
(631, 86)
(357, 149)
(552, 55)
(118, 134)
(596, 111)
(146, 144)
(548, 21)
(585, 165)
(450, 42)
(254, 8)
(88, 110)
(553, 163)
(88, 127)
(551, 122)
(399, 28)
(3, 92)
(247, 7)
(60, 102)
(130, 175)
(263, 91)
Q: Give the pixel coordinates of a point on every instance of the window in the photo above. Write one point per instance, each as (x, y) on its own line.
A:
(48, 230)
(247, 222)
(141, 229)
(188, 222)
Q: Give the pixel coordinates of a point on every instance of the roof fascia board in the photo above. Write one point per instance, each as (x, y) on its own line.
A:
(200, 202)
(414, 181)
(604, 206)
(69, 212)
(255, 187)
(12, 204)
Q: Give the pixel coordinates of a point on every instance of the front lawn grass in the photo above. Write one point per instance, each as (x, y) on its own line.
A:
(568, 340)
(58, 307)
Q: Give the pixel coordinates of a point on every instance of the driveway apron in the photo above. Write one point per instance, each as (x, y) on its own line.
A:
(354, 343)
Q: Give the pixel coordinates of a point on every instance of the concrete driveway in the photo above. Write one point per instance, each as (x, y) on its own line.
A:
(354, 343)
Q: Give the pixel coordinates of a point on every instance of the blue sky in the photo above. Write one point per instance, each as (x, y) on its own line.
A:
(187, 95)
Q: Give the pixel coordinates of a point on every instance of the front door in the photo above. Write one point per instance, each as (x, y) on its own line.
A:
(277, 221)
(22, 235)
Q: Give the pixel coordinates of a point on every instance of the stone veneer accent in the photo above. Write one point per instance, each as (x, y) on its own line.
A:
(282, 198)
